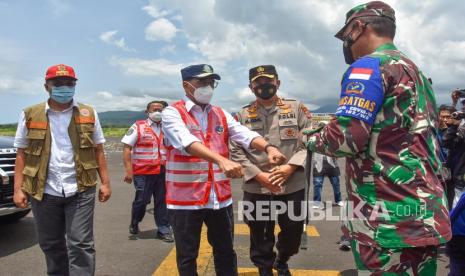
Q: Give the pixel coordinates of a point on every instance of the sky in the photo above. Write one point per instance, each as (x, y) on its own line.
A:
(127, 53)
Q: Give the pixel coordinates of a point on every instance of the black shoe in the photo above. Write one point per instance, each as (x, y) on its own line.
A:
(344, 245)
(165, 237)
(133, 229)
(282, 268)
(265, 271)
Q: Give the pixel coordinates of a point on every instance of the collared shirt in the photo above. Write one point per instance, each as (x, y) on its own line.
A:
(61, 175)
(178, 136)
(131, 136)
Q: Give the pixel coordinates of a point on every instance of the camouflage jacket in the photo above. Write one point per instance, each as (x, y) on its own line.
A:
(386, 127)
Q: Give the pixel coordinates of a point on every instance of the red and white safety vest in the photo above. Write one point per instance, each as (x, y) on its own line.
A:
(149, 153)
(189, 179)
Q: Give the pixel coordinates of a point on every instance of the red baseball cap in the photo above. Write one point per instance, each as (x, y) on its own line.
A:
(60, 70)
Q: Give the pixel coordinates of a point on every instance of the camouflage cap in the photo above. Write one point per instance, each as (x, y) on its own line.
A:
(373, 8)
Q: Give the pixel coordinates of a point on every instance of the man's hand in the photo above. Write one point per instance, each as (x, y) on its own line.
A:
(275, 157)
(280, 174)
(128, 177)
(230, 169)
(455, 97)
(264, 179)
(20, 199)
(104, 192)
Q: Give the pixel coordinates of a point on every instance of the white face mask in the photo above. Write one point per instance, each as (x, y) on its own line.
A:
(155, 116)
(203, 95)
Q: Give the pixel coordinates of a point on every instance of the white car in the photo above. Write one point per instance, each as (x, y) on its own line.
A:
(8, 211)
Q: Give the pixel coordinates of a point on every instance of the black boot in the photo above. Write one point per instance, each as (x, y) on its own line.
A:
(265, 271)
(282, 268)
(133, 229)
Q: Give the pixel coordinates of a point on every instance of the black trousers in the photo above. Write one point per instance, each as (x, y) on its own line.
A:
(187, 228)
(148, 186)
(262, 239)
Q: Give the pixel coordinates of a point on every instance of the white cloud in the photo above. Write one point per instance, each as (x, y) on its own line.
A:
(142, 67)
(20, 86)
(298, 37)
(160, 30)
(155, 12)
(110, 38)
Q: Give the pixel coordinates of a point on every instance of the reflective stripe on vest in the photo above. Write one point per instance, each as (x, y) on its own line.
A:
(189, 179)
(148, 154)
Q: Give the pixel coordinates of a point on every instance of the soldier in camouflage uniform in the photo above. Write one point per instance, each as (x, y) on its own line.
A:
(386, 128)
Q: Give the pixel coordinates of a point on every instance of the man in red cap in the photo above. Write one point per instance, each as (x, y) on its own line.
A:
(60, 152)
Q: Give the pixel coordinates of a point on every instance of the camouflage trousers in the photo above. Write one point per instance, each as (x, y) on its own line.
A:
(373, 261)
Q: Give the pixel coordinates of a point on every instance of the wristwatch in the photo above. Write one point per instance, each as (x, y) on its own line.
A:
(270, 145)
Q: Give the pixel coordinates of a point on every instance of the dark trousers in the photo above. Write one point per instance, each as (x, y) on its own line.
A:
(455, 249)
(148, 186)
(450, 193)
(65, 233)
(262, 239)
(187, 227)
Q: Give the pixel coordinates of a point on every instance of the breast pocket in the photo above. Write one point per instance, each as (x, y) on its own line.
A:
(288, 129)
(86, 133)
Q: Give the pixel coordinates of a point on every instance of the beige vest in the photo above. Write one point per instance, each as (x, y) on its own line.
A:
(80, 130)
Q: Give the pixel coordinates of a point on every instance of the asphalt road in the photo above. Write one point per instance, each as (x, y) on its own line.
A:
(119, 253)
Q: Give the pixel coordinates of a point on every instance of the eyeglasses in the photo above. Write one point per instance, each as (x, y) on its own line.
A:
(204, 82)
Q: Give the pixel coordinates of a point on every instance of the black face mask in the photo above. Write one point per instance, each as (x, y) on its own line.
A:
(265, 91)
(348, 56)
(348, 42)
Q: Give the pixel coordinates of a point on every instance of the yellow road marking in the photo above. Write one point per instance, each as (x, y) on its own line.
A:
(204, 261)
(295, 272)
(169, 268)
(243, 229)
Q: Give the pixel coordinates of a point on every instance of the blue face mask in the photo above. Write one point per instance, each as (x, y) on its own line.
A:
(62, 94)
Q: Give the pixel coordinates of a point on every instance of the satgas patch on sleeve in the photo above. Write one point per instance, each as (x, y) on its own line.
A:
(130, 131)
(219, 129)
(362, 90)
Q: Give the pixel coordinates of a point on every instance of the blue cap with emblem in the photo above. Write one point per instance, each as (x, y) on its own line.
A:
(198, 71)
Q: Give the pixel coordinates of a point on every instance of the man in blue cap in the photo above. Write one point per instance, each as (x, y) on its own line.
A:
(198, 169)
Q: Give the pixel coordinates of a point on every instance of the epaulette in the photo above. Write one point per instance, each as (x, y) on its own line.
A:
(292, 100)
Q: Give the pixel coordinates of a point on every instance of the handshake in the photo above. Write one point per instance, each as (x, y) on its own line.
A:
(234, 170)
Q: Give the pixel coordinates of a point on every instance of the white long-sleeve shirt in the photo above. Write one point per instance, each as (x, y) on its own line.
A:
(178, 135)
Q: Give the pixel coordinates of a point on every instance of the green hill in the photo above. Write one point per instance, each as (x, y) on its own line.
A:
(120, 118)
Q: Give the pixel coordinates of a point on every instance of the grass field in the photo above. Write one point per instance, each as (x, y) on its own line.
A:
(7, 130)
(10, 130)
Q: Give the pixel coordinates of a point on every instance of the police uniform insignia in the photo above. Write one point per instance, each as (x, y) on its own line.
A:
(252, 111)
(252, 115)
(306, 111)
(260, 70)
(288, 133)
(219, 129)
(85, 112)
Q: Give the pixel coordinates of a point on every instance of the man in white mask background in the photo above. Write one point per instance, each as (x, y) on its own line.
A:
(144, 157)
(198, 169)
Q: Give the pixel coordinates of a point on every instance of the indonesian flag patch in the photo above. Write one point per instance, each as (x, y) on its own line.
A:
(361, 73)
